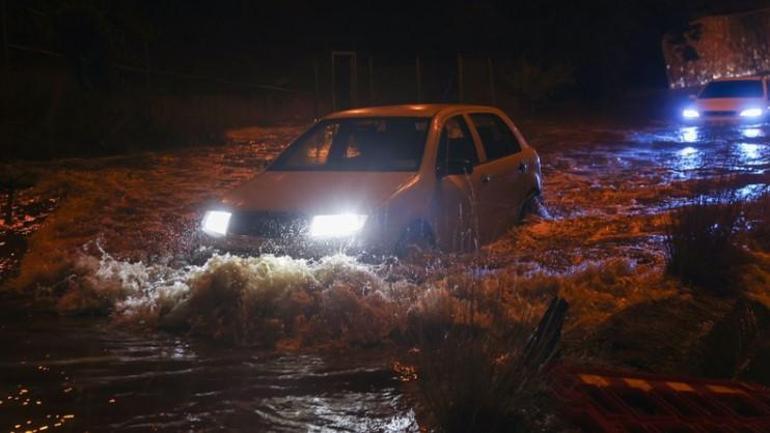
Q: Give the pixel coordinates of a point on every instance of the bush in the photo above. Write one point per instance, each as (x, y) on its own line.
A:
(469, 385)
(758, 214)
(702, 247)
(534, 83)
(488, 380)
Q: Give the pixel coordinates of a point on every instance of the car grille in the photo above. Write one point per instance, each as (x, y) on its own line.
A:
(267, 224)
(720, 113)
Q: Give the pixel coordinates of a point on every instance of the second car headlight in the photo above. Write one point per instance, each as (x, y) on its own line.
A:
(336, 226)
(215, 222)
(751, 112)
(690, 113)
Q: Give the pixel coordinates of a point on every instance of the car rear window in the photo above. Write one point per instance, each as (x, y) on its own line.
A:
(733, 89)
(496, 136)
(358, 144)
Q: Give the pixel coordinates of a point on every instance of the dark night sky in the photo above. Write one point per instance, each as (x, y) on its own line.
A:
(585, 34)
(619, 40)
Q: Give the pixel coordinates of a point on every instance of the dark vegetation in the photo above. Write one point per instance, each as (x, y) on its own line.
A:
(85, 77)
(702, 244)
(711, 243)
(491, 379)
(719, 325)
(49, 114)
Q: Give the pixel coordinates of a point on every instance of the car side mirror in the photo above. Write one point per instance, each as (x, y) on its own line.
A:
(455, 166)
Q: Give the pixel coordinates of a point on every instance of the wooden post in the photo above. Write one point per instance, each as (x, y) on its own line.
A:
(353, 80)
(418, 77)
(353, 65)
(147, 63)
(5, 74)
(315, 88)
(460, 95)
(492, 96)
(334, 87)
(371, 80)
(4, 13)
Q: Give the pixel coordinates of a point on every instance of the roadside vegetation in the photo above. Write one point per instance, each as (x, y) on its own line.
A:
(717, 245)
(719, 250)
(486, 379)
(53, 117)
(703, 246)
(468, 318)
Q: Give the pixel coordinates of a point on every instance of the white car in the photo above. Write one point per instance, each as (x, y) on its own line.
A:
(386, 180)
(730, 100)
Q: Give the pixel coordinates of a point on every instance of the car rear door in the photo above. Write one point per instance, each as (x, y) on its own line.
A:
(503, 170)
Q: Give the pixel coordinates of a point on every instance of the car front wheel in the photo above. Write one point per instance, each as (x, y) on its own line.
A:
(416, 240)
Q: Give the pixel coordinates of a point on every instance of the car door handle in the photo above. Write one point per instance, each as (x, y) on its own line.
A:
(523, 167)
(486, 178)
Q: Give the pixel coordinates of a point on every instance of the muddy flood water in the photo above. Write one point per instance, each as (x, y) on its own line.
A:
(106, 249)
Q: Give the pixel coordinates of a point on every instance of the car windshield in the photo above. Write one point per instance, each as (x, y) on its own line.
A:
(733, 89)
(358, 144)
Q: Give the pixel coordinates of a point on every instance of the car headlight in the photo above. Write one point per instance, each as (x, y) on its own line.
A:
(336, 226)
(690, 113)
(215, 222)
(751, 112)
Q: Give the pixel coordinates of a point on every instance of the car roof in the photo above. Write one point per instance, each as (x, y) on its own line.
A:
(406, 110)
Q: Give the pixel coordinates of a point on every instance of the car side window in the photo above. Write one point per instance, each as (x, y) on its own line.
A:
(456, 143)
(497, 138)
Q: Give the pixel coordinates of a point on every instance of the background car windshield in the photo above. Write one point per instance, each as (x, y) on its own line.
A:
(366, 144)
(733, 89)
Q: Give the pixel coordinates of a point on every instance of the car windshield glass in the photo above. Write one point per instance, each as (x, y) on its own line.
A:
(358, 144)
(733, 89)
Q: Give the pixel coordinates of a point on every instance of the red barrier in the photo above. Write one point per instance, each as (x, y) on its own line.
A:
(607, 401)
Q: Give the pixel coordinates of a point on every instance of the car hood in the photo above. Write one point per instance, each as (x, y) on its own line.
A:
(730, 104)
(317, 192)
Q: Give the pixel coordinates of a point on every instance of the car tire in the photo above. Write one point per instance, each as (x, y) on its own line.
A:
(416, 240)
(532, 205)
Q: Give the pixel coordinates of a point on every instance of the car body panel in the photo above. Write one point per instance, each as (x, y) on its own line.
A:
(462, 211)
(317, 192)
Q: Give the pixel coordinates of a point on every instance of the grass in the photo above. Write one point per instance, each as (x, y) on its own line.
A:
(469, 384)
(486, 380)
(703, 247)
(758, 214)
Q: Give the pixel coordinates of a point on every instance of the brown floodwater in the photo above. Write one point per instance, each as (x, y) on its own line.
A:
(84, 374)
(121, 231)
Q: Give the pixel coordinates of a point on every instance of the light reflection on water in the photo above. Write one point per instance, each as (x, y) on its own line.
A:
(689, 134)
(689, 159)
(752, 132)
(77, 375)
(752, 191)
(109, 381)
(700, 152)
(751, 158)
(749, 151)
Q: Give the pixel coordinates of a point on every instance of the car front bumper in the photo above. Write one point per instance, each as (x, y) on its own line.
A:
(295, 246)
(726, 119)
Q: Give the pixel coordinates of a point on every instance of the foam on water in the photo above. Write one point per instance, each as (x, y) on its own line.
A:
(123, 236)
(289, 303)
(250, 300)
